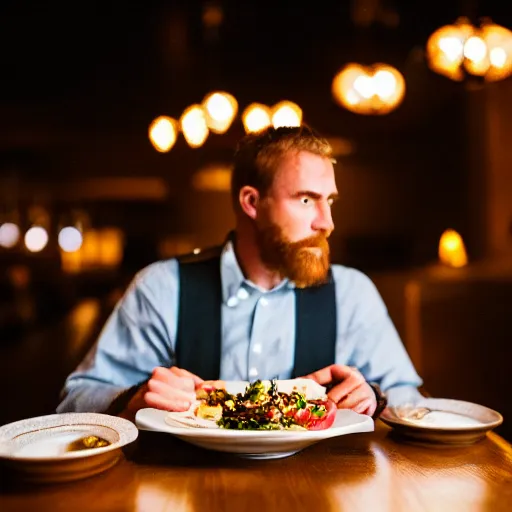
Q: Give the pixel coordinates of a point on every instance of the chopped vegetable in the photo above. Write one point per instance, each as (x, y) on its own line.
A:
(263, 407)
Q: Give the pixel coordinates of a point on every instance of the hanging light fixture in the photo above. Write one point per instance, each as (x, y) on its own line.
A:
(462, 49)
(220, 109)
(70, 239)
(193, 125)
(371, 90)
(37, 236)
(163, 132)
(286, 113)
(256, 117)
(9, 234)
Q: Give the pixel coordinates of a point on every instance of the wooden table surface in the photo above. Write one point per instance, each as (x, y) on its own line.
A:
(359, 472)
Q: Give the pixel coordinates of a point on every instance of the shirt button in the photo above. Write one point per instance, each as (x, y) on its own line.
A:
(242, 294)
(232, 302)
(257, 348)
(253, 372)
(264, 302)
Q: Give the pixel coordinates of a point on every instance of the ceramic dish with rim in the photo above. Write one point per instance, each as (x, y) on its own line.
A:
(50, 449)
(442, 421)
(253, 444)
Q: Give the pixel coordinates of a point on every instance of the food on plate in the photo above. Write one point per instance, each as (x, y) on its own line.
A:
(262, 406)
(88, 442)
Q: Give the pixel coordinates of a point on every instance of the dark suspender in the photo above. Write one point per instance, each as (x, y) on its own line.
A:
(198, 343)
(315, 328)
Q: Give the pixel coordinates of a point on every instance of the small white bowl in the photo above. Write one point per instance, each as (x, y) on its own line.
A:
(39, 449)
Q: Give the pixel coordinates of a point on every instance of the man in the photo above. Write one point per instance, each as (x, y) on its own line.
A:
(267, 305)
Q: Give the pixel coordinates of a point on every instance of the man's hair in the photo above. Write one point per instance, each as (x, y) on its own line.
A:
(258, 155)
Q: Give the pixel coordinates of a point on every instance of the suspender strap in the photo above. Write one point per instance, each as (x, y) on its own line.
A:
(315, 328)
(198, 342)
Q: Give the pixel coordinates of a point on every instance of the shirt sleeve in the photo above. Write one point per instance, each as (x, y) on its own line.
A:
(138, 336)
(368, 340)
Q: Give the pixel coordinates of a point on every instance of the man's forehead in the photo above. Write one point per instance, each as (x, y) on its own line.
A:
(302, 158)
(305, 167)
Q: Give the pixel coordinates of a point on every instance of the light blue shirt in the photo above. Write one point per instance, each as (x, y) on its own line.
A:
(258, 335)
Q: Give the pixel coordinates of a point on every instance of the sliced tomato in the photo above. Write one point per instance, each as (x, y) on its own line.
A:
(305, 418)
(302, 417)
(326, 421)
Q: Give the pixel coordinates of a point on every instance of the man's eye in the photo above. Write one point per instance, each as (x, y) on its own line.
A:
(305, 200)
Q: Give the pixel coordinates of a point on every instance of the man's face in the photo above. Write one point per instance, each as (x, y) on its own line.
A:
(294, 219)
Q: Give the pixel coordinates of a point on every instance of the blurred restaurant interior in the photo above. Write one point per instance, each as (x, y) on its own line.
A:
(95, 183)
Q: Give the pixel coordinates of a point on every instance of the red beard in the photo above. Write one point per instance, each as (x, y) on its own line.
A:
(305, 262)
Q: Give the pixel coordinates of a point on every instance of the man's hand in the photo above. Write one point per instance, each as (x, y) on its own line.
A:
(349, 389)
(168, 389)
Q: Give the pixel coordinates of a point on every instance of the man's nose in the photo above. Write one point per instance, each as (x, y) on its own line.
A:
(323, 220)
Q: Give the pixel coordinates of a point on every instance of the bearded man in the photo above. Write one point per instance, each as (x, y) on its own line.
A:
(267, 304)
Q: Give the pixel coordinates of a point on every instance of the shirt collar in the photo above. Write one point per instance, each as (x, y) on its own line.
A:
(233, 278)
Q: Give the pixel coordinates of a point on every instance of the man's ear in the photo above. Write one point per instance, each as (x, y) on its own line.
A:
(249, 199)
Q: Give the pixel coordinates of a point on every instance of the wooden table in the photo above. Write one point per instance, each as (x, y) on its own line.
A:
(359, 472)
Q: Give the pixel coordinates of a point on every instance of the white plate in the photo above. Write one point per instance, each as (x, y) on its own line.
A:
(39, 448)
(255, 444)
(442, 420)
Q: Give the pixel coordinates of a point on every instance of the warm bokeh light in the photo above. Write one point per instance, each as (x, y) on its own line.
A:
(256, 117)
(220, 109)
(163, 132)
(286, 113)
(475, 49)
(498, 57)
(103, 248)
(445, 49)
(90, 250)
(71, 262)
(9, 235)
(452, 251)
(36, 239)
(213, 15)
(193, 125)
(111, 247)
(216, 177)
(376, 89)
(454, 50)
(70, 239)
